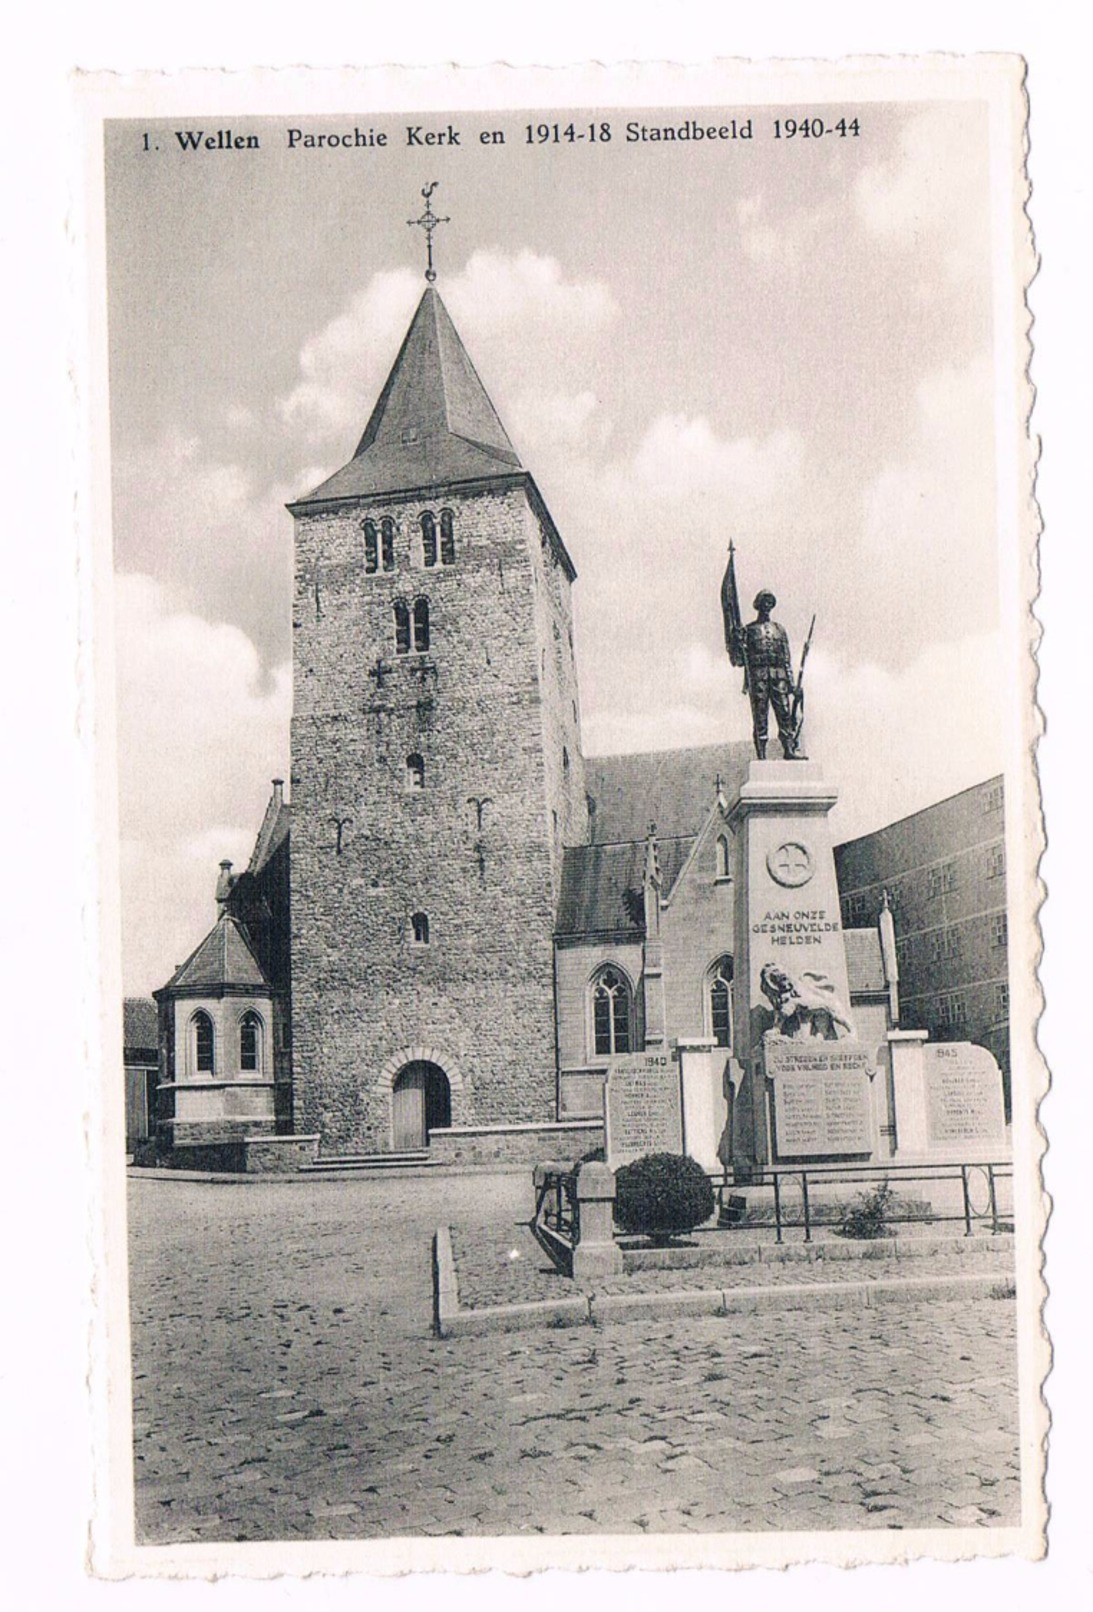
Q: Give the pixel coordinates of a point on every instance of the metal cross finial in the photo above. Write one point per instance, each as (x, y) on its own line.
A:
(428, 222)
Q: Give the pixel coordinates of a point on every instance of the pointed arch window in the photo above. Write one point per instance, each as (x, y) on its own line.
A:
(402, 627)
(447, 537)
(415, 771)
(428, 537)
(419, 928)
(612, 1013)
(204, 1049)
(723, 868)
(250, 1043)
(387, 542)
(371, 547)
(719, 1000)
(421, 624)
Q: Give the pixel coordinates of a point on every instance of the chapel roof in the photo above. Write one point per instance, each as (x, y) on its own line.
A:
(433, 423)
(864, 961)
(223, 959)
(596, 880)
(672, 788)
(273, 832)
(140, 1023)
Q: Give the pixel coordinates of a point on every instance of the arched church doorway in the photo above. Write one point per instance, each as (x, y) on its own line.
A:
(421, 1103)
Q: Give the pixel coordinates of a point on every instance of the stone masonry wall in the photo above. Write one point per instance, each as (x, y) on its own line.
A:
(477, 999)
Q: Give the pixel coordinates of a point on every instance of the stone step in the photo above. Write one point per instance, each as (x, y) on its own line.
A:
(329, 1163)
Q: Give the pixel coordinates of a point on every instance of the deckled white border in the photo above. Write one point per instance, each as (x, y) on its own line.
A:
(419, 89)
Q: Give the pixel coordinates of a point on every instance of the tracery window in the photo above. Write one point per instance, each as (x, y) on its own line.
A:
(250, 1043)
(612, 1012)
(204, 1061)
(719, 989)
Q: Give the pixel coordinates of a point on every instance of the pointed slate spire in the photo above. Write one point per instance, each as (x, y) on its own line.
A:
(433, 424)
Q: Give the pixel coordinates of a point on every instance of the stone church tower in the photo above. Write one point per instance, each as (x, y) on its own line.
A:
(437, 769)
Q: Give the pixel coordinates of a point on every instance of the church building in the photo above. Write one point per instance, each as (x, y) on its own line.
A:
(459, 918)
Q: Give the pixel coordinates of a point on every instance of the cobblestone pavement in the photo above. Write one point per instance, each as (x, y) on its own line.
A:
(287, 1386)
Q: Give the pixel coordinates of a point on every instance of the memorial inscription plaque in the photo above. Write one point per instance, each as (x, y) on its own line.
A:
(963, 1095)
(821, 1098)
(643, 1109)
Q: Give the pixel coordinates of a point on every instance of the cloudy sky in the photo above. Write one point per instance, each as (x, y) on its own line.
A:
(783, 342)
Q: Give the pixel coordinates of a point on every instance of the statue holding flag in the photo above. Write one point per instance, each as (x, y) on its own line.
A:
(762, 649)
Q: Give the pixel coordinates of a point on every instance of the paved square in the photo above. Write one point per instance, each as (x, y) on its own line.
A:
(287, 1386)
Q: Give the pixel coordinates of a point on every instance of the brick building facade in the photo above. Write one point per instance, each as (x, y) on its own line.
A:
(945, 872)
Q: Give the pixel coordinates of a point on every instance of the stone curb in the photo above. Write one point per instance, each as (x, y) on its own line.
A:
(241, 1178)
(450, 1320)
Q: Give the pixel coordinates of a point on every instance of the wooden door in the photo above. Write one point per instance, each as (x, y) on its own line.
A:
(408, 1109)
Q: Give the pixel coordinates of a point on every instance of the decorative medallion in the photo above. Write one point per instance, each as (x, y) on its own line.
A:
(790, 864)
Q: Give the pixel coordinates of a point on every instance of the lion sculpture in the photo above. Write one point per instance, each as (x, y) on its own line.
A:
(805, 1005)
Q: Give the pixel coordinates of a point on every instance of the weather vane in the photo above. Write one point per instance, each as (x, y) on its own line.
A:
(428, 222)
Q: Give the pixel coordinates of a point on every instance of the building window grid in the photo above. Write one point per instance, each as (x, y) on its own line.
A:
(952, 1011)
(999, 929)
(941, 879)
(996, 865)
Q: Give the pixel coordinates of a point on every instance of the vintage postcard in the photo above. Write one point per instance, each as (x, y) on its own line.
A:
(564, 549)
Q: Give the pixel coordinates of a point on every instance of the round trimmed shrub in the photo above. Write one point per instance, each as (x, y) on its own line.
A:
(662, 1195)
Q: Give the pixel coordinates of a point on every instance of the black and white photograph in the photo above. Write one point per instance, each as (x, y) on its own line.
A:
(565, 546)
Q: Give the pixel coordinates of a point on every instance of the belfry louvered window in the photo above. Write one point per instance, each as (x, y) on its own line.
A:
(428, 538)
(371, 547)
(421, 624)
(402, 627)
(447, 537)
(387, 542)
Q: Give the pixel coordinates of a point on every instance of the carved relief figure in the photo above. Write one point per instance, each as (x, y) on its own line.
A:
(806, 1005)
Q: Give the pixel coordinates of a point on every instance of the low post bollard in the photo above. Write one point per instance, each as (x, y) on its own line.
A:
(596, 1253)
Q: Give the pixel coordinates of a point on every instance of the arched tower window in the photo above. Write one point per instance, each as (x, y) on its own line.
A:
(250, 1043)
(202, 1030)
(419, 925)
(421, 624)
(428, 537)
(447, 537)
(387, 538)
(612, 1013)
(722, 856)
(415, 771)
(371, 547)
(719, 996)
(402, 627)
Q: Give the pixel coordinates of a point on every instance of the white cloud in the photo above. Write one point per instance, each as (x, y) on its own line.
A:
(681, 457)
(932, 513)
(926, 194)
(518, 314)
(211, 530)
(200, 734)
(892, 742)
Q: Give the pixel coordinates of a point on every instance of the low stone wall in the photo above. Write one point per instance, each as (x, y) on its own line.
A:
(278, 1155)
(515, 1145)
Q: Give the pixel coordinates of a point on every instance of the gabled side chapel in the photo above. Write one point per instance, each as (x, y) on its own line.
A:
(467, 917)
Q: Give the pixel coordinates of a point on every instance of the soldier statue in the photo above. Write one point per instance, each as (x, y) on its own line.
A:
(762, 649)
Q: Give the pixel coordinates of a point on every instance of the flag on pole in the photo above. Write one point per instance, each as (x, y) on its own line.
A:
(730, 609)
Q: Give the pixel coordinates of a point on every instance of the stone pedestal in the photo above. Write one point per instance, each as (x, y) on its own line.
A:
(705, 1108)
(787, 918)
(908, 1093)
(596, 1253)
